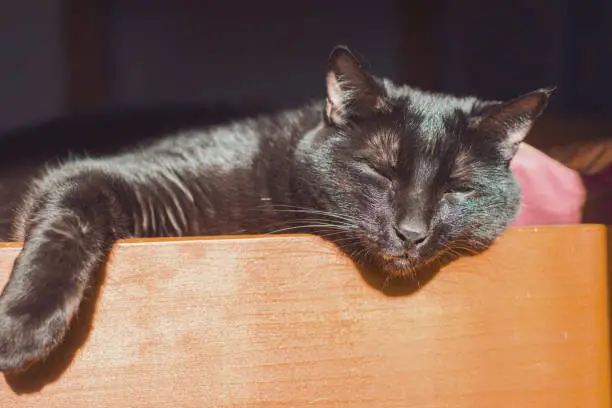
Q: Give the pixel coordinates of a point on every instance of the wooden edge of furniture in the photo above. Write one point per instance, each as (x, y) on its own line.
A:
(287, 321)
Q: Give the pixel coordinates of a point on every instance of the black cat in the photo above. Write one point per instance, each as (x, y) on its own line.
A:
(396, 177)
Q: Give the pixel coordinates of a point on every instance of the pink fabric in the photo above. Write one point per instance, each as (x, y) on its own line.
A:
(551, 192)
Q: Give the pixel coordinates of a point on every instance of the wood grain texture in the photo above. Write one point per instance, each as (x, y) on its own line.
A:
(288, 322)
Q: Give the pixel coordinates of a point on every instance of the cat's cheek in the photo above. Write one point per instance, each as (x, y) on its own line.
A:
(450, 219)
(462, 198)
(449, 209)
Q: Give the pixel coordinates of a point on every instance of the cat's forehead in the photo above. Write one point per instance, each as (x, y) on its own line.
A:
(418, 139)
(424, 126)
(426, 101)
(411, 141)
(431, 129)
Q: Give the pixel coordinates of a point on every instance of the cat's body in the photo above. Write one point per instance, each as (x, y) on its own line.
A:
(229, 179)
(394, 176)
(27, 151)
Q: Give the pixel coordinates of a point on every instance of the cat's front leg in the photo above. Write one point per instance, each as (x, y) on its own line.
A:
(69, 227)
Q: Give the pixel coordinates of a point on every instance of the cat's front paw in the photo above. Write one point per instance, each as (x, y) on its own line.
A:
(25, 340)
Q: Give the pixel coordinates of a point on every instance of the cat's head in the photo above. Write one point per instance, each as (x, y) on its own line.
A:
(408, 176)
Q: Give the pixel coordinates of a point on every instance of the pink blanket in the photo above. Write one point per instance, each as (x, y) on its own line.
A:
(551, 192)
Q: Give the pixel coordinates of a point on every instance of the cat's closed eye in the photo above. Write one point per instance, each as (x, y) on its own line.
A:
(386, 172)
(461, 190)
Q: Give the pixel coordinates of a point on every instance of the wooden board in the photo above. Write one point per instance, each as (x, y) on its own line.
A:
(288, 322)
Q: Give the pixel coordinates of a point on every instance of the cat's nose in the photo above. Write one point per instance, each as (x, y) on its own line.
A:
(410, 234)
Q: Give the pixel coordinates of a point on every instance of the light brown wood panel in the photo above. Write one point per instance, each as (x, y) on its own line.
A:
(288, 322)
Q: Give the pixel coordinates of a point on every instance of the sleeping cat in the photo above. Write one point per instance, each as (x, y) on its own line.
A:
(395, 176)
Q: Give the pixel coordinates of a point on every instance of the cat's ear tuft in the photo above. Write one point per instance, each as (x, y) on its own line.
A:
(512, 120)
(351, 91)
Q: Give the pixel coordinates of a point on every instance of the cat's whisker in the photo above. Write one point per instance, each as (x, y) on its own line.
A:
(386, 282)
(358, 253)
(333, 234)
(462, 246)
(347, 247)
(308, 226)
(295, 209)
(315, 220)
(450, 249)
(453, 252)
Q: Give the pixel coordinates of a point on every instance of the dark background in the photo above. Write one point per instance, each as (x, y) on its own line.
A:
(67, 56)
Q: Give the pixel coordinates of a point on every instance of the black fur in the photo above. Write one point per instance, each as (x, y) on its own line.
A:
(396, 177)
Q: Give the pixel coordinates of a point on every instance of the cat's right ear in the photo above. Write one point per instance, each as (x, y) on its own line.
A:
(511, 121)
(351, 91)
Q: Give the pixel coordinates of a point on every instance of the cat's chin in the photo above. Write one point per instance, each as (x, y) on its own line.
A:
(415, 266)
(406, 267)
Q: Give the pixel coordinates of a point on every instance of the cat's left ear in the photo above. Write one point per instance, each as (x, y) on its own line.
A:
(511, 121)
(351, 91)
